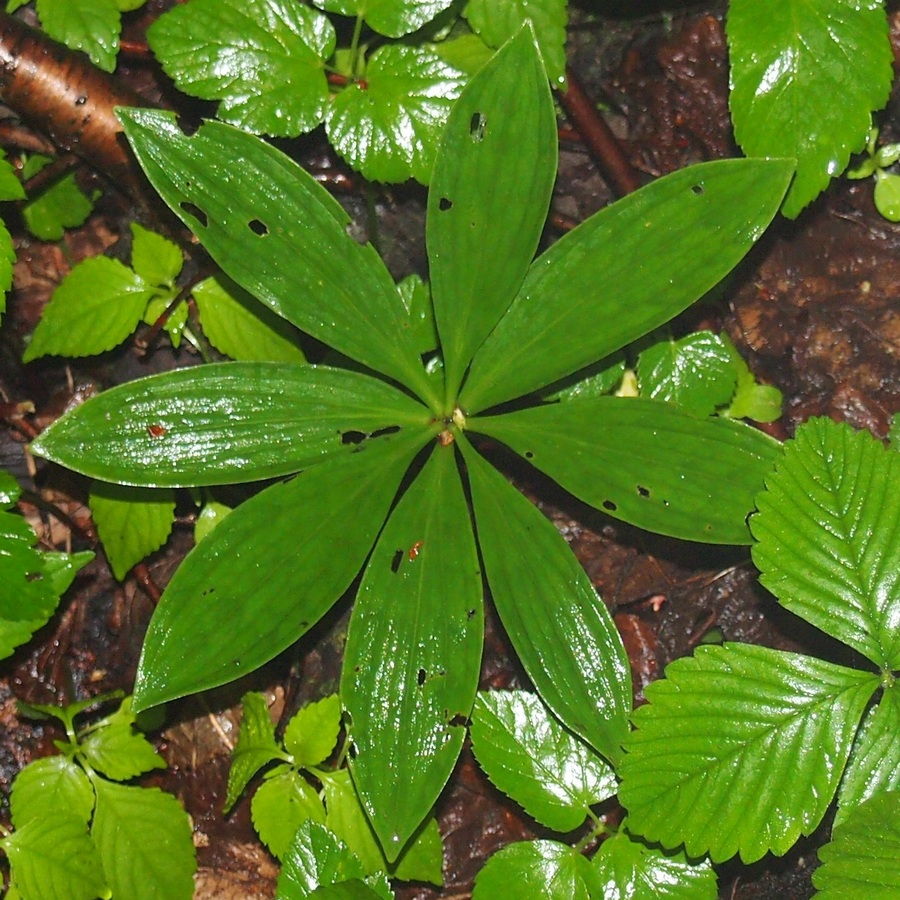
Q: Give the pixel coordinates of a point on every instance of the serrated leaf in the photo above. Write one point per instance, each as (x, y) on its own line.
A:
(285, 241)
(467, 52)
(393, 18)
(62, 205)
(144, 839)
(47, 787)
(534, 870)
(241, 327)
(255, 747)
(54, 858)
(529, 756)
(759, 402)
(805, 78)
(280, 805)
(413, 652)
(96, 306)
(740, 721)
(268, 573)
(860, 863)
(227, 423)
(561, 630)
(60, 569)
(628, 269)
(264, 60)
(827, 536)
(345, 890)
(93, 27)
(312, 733)
(155, 258)
(487, 205)
(132, 522)
(115, 749)
(629, 869)
(495, 21)
(388, 127)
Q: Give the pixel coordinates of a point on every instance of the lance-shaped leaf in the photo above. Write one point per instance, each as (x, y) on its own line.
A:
(489, 197)
(413, 653)
(285, 241)
(561, 630)
(827, 531)
(646, 462)
(740, 721)
(268, 572)
(625, 271)
(225, 423)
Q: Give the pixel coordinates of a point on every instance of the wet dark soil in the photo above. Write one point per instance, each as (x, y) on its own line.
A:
(814, 310)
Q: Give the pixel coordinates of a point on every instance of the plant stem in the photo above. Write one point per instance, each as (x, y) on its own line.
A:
(354, 47)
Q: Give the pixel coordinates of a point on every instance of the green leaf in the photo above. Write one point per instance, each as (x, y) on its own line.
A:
(175, 320)
(96, 306)
(255, 747)
(416, 297)
(281, 804)
(827, 528)
(132, 522)
(285, 241)
(268, 573)
(345, 890)
(740, 721)
(62, 205)
(226, 423)
(388, 127)
(48, 787)
(10, 185)
(529, 756)
(804, 80)
(561, 630)
(393, 18)
(625, 271)
(263, 59)
(413, 652)
(116, 750)
(144, 839)
(241, 327)
(887, 195)
(155, 258)
(10, 491)
(495, 21)
(860, 863)
(534, 870)
(468, 53)
(54, 858)
(629, 869)
(759, 402)
(7, 261)
(93, 27)
(487, 205)
(312, 733)
(210, 516)
(646, 462)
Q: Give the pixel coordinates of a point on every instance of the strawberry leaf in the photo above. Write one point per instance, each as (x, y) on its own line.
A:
(93, 27)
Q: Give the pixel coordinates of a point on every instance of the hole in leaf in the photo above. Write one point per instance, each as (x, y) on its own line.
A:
(529, 454)
(381, 432)
(460, 721)
(396, 560)
(34, 576)
(353, 437)
(609, 506)
(420, 678)
(258, 227)
(444, 204)
(644, 492)
(697, 189)
(476, 127)
(193, 210)
(471, 614)
(187, 126)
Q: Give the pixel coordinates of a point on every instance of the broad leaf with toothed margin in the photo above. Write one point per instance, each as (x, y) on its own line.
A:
(535, 870)
(392, 18)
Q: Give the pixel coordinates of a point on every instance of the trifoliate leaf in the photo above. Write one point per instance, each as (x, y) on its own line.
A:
(255, 746)
(804, 80)
(860, 863)
(280, 805)
(132, 522)
(96, 306)
(62, 205)
(827, 532)
(388, 126)
(393, 18)
(534, 870)
(529, 756)
(93, 27)
(49, 786)
(740, 721)
(155, 258)
(265, 63)
(144, 839)
(116, 750)
(312, 733)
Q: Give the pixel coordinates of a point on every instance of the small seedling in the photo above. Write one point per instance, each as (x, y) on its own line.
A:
(887, 184)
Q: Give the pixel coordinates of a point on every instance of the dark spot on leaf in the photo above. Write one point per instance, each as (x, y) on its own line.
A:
(258, 227)
(34, 576)
(644, 492)
(395, 562)
(353, 437)
(476, 127)
(420, 678)
(460, 721)
(381, 432)
(471, 614)
(444, 204)
(193, 210)
(207, 592)
(529, 454)
(609, 506)
(697, 189)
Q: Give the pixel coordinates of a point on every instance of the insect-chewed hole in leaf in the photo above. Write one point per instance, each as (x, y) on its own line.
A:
(258, 227)
(697, 189)
(353, 437)
(609, 506)
(421, 677)
(33, 576)
(187, 126)
(444, 204)
(529, 454)
(396, 560)
(193, 210)
(471, 614)
(458, 721)
(644, 492)
(207, 592)
(476, 127)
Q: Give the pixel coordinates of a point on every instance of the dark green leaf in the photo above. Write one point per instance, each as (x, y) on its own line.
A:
(625, 271)
(48, 787)
(255, 747)
(92, 27)
(561, 630)
(9, 489)
(489, 197)
(7, 261)
(534, 870)
(393, 18)
(413, 653)
(646, 462)
(312, 733)
(280, 805)
(62, 205)
(225, 423)
(345, 890)
(416, 297)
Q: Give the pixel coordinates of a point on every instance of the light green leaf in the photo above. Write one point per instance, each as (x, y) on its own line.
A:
(534, 870)
(255, 747)
(91, 26)
(416, 297)
(285, 241)
(887, 195)
(132, 522)
(860, 863)
(144, 839)
(826, 528)
(594, 381)
(280, 805)
(488, 204)
(62, 205)
(241, 327)
(7, 261)
(468, 53)
(529, 756)
(263, 59)
(345, 890)
(629, 869)
(10, 185)
(212, 513)
(96, 306)
(625, 271)
(155, 258)
(268, 573)
(561, 630)
(227, 423)
(115, 749)
(495, 21)
(47, 787)
(393, 18)
(646, 462)
(312, 733)
(759, 402)
(176, 319)
(413, 653)
(804, 80)
(740, 721)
